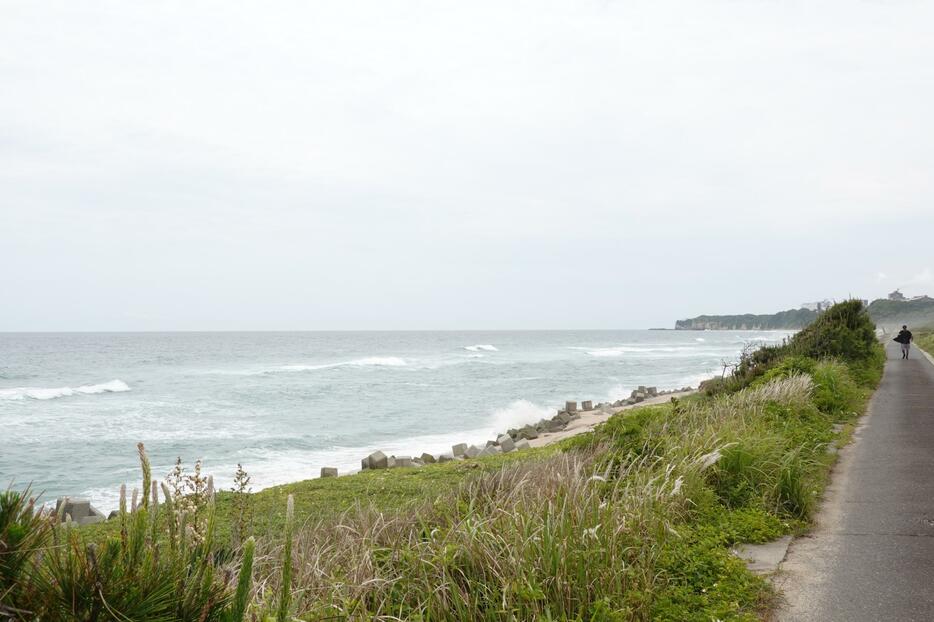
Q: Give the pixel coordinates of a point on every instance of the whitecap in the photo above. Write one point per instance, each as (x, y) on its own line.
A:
(369, 361)
(486, 347)
(618, 351)
(43, 393)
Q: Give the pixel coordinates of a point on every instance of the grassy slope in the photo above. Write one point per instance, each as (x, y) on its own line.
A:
(317, 499)
(510, 537)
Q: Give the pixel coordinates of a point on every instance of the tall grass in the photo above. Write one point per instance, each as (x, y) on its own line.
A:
(163, 566)
(535, 539)
(630, 522)
(574, 536)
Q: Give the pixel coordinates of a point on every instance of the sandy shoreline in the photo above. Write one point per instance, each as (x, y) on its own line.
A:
(590, 418)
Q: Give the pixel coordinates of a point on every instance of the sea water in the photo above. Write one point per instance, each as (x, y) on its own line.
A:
(74, 405)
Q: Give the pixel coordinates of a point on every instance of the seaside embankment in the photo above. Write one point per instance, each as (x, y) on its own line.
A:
(632, 520)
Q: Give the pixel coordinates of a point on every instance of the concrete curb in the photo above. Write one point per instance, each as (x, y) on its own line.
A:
(763, 559)
(926, 355)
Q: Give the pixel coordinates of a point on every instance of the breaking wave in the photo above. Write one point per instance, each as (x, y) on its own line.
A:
(517, 414)
(486, 347)
(369, 361)
(624, 350)
(40, 393)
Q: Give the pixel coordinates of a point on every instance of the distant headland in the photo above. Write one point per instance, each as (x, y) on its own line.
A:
(894, 310)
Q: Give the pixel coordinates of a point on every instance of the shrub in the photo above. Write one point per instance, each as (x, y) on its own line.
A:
(790, 366)
(743, 472)
(835, 392)
(23, 530)
(159, 568)
(844, 331)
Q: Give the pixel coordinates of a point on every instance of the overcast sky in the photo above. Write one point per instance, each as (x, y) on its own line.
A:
(419, 165)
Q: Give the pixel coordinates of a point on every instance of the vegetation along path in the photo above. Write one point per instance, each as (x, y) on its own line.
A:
(871, 556)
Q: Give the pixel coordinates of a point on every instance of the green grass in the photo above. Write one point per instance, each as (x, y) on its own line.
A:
(632, 521)
(924, 339)
(321, 498)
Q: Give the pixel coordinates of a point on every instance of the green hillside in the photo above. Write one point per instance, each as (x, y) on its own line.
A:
(791, 319)
(887, 314)
(891, 314)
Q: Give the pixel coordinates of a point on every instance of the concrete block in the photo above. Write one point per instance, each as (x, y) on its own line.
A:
(562, 417)
(391, 462)
(365, 464)
(428, 458)
(459, 450)
(570, 406)
(113, 514)
(528, 432)
(507, 444)
(489, 443)
(378, 460)
(472, 452)
(404, 461)
(652, 391)
(328, 471)
(639, 398)
(587, 405)
(445, 458)
(522, 444)
(77, 508)
(641, 389)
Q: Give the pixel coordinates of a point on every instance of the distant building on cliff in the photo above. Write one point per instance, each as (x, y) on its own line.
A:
(897, 295)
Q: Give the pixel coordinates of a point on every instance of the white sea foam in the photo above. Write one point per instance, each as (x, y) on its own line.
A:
(42, 393)
(486, 347)
(700, 339)
(369, 361)
(518, 413)
(618, 351)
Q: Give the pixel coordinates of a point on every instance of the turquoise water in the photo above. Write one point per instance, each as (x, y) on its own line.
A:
(73, 406)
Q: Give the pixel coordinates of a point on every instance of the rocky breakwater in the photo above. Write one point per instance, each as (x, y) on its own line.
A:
(516, 439)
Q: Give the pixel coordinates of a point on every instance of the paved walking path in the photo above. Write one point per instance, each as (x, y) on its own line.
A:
(871, 556)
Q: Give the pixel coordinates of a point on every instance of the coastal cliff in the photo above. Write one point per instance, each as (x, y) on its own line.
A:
(888, 313)
(793, 319)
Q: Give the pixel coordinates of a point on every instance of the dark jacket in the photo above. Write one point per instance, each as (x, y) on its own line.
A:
(904, 336)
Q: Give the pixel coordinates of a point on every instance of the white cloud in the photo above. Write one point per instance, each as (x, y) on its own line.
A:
(922, 277)
(280, 167)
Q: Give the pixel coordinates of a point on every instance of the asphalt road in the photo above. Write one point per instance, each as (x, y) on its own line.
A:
(871, 556)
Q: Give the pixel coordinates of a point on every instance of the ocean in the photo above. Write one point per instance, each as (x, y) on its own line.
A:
(284, 404)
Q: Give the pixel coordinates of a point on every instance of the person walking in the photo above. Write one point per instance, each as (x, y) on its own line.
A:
(904, 337)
